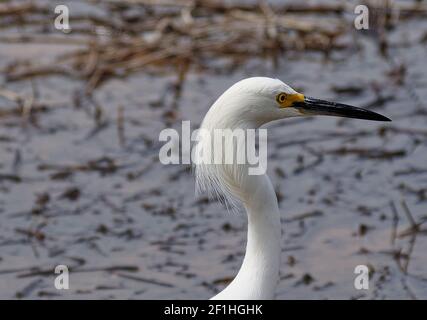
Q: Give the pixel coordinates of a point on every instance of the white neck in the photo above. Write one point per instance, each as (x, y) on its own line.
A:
(259, 273)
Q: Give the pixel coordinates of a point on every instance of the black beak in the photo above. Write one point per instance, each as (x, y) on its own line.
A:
(312, 106)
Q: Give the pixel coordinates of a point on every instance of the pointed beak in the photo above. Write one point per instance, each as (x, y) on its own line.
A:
(311, 106)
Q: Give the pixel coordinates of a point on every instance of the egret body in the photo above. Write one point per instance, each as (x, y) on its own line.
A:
(249, 104)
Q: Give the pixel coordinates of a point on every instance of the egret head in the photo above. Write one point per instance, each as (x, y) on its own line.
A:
(249, 104)
(259, 100)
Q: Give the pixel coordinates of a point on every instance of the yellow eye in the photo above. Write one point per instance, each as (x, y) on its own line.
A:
(281, 97)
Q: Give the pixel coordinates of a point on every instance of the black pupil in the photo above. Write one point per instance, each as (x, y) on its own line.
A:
(282, 97)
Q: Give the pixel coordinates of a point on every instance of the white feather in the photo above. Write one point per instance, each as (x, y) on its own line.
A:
(248, 104)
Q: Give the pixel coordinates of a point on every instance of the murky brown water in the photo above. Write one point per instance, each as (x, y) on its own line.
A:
(82, 190)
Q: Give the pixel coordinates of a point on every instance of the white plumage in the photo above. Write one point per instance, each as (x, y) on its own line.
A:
(249, 104)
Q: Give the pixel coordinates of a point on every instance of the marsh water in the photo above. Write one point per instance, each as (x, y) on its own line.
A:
(81, 183)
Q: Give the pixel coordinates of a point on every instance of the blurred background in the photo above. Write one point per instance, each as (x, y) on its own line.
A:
(80, 116)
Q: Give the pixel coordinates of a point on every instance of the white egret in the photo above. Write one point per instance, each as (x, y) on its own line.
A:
(251, 103)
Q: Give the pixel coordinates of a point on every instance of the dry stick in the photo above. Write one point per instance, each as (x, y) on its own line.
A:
(369, 153)
(305, 215)
(321, 136)
(48, 272)
(287, 22)
(101, 164)
(174, 3)
(395, 223)
(28, 105)
(91, 60)
(186, 15)
(221, 6)
(40, 71)
(139, 62)
(319, 159)
(409, 216)
(410, 171)
(396, 253)
(129, 65)
(120, 125)
(18, 9)
(7, 271)
(28, 289)
(270, 20)
(407, 130)
(46, 20)
(415, 226)
(409, 252)
(42, 39)
(271, 30)
(12, 96)
(25, 103)
(94, 80)
(150, 281)
(405, 285)
(414, 229)
(111, 58)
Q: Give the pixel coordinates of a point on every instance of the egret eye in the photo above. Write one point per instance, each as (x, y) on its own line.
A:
(281, 97)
